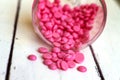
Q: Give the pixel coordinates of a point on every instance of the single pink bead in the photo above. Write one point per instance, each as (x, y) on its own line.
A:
(57, 1)
(82, 68)
(79, 57)
(51, 39)
(64, 40)
(47, 56)
(32, 57)
(56, 49)
(55, 27)
(56, 44)
(59, 55)
(57, 15)
(47, 62)
(63, 17)
(41, 5)
(56, 35)
(54, 9)
(76, 28)
(49, 25)
(55, 59)
(66, 34)
(75, 35)
(38, 15)
(49, 4)
(42, 50)
(52, 66)
(58, 63)
(66, 7)
(71, 64)
(66, 47)
(57, 21)
(45, 15)
(46, 10)
(58, 39)
(70, 51)
(54, 55)
(64, 65)
(68, 57)
(71, 41)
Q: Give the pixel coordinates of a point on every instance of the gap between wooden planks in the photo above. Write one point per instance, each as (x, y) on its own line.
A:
(26, 70)
(7, 16)
(107, 46)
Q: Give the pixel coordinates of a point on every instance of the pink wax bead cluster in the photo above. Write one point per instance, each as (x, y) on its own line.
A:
(59, 59)
(64, 26)
(67, 29)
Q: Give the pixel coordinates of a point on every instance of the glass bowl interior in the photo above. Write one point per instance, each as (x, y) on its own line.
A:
(98, 25)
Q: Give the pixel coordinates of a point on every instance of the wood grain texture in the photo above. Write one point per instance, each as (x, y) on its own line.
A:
(107, 46)
(27, 43)
(7, 17)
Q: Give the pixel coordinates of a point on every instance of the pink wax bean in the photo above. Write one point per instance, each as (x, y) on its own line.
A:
(57, 15)
(59, 31)
(66, 7)
(75, 35)
(66, 47)
(66, 34)
(46, 10)
(58, 63)
(54, 55)
(76, 28)
(51, 39)
(64, 40)
(49, 25)
(70, 51)
(47, 56)
(54, 9)
(64, 65)
(32, 57)
(56, 35)
(38, 15)
(68, 57)
(71, 64)
(43, 50)
(58, 39)
(52, 66)
(55, 59)
(49, 4)
(47, 62)
(45, 15)
(41, 6)
(57, 1)
(56, 44)
(63, 17)
(79, 57)
(55, 27)
(82, 68)
(56, 49)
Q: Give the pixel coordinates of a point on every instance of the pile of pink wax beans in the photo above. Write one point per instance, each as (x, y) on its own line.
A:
(67, 29)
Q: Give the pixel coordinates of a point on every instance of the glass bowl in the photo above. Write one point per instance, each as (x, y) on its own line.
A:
(97, 26)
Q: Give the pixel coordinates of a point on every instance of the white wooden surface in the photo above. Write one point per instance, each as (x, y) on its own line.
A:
(106, 47)
(7, 16)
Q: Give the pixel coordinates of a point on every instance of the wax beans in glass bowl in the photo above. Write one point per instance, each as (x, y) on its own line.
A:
(69, 23)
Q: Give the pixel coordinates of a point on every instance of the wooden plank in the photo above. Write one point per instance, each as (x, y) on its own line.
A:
(107, 46)
(7, 16)
(91, 74)
(27, 43)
